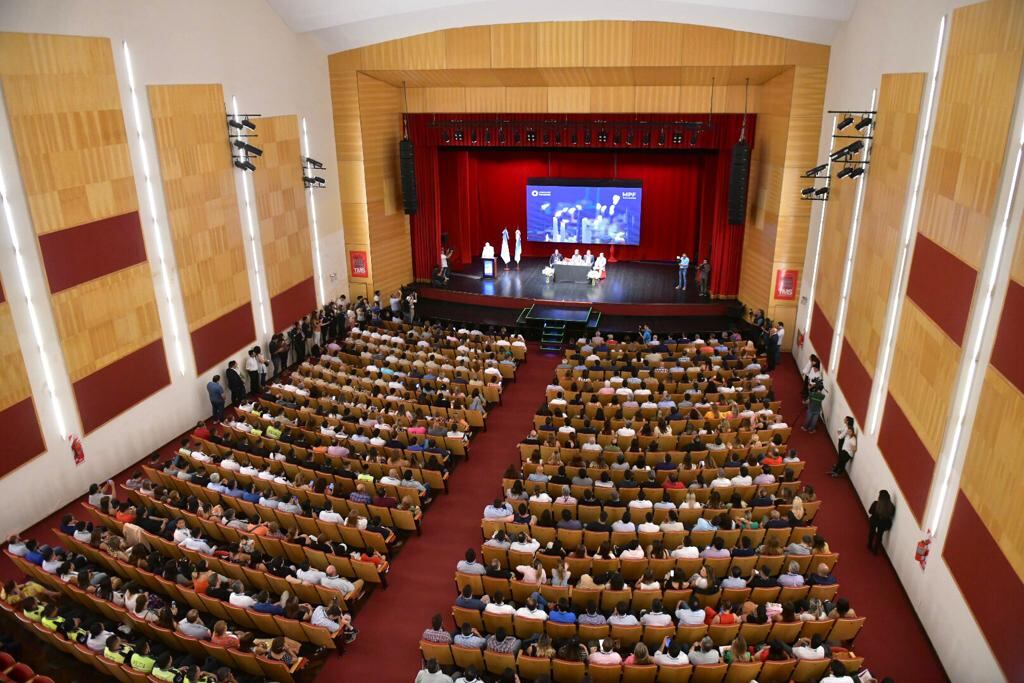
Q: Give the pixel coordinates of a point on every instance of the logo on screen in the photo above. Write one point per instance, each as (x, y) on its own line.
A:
(629, 195)
(534, 193)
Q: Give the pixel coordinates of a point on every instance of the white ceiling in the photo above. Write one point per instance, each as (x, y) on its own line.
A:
(344, 24)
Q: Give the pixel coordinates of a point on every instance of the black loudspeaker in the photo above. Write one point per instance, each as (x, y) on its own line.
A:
(738, 175)
(408, 170)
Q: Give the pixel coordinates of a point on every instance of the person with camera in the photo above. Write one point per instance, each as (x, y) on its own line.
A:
(815, 399)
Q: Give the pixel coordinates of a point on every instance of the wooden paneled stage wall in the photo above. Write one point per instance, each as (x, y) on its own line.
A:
(202, 208)
(65, 114)
(23, 439)
(589, 67)
(284, 223)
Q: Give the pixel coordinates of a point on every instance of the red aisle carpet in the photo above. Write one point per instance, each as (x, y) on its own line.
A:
(893, 641)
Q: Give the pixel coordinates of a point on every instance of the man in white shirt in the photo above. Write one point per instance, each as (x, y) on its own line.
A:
(335, 582)
(809, 648)
(743, 478)
(523, 544)
(329, 515)
(239, 598)
(198, 544)
(690, 614)
(531, 611)
(720, 480)
(498, 606)
(309, 575)
(656, 617)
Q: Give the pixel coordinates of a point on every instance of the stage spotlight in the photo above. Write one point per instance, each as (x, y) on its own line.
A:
(845, 171)
(318, 179)
(308, 180)
(677, 137)
(618, 137)
(501, 136)
(810, 173)
(844, 122)
(547, 138)
(586, 137)
(255, 151)
(848, 151)
(629, 137)
(459, 135)
(661, 138)
(472, 136)
(857, 172)
(446, 137)
(693, 137)
(487, 136)
(575, 139)
(602, 136)
(318, 165)
(517, 137)
(647, 138)
(864, 122)
(248, 124)
(821, 192)
(807, 191)
(235, 124)
(244, 165)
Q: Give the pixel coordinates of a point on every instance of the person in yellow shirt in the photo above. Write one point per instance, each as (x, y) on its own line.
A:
(33, 609)
(51, 619)
(141, 659)
(114, 650)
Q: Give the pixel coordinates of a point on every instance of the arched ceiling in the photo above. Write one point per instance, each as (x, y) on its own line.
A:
(345, 24)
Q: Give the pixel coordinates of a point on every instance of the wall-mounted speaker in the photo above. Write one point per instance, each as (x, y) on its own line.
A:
(738, 176)
(407, 166)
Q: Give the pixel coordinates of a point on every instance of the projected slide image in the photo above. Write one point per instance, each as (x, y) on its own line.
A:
(563, 211)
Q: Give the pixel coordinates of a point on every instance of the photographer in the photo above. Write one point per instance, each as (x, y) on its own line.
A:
(815, 398)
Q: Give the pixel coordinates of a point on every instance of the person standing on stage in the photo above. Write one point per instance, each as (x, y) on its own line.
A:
(519, 247)
(505, 255)
(684, 265)
(703, 277)
(445, 255)
(488, 251)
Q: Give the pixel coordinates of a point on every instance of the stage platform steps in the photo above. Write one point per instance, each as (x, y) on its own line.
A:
(555, 322)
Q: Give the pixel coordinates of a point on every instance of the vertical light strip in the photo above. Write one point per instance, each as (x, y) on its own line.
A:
(37, 333)
(895, 307)
(994, 264)
(321, 294)
(851, 246)
(817, 244)
(158, 238)
(250, 220)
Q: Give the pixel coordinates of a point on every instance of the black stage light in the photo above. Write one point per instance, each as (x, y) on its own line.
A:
(602, 136)
(234, 124)
(244, 165)
(517, 137)
(677, 137)
(575, 139)
(661, 138)
(647, 138)
(844, 171)
(810, 173)
(586, 137)
(255, 151)
(857, 172)
(807, 191)
(844, 122)
(316, 164)
(618, 137)
(487, 136)
(547, 138)
(446, 137)
(318, 179)
(248, 124)
(693, 137)
(848, 151)
(501, 136)
(821, 192)
(307, 179)
(472, 136)
(864, 122)
(629, 137)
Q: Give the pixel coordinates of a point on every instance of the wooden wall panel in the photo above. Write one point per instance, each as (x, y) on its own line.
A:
(284, 223)
(64, 107)
(986, 47)
(607, 43)
(202, 206)
(885, 199)
(515, 46)
(992, 477)
(924, 367)
(105, 319)
(66, 120)
(390, 250)
(23, 438)
(468, 48)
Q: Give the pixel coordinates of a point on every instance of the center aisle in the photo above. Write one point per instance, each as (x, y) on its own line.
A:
(422, 576)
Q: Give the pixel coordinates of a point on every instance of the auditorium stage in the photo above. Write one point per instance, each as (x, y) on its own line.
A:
(633, 293)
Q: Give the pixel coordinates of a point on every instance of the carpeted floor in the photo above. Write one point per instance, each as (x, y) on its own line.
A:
(421, 581)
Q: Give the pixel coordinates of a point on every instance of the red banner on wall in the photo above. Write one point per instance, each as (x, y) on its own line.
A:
(357, 263)
(786, 284)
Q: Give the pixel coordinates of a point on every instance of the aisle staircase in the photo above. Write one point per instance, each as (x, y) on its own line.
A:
(552, 336)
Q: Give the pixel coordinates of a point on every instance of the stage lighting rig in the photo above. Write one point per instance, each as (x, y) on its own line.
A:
(243, 146)
(864, 122)
(313, 163)
(661, 138)
(602, 136)
(844, 122)
(586, 137)
(242, 151)
(677, 137)
(807, 191)
(244, 164)
(460, 135)
(816, 171)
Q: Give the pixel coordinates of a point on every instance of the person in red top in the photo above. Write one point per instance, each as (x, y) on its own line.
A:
(382, 499)
(201, 432)
(673, 482)
(222, 637)
(772, 457)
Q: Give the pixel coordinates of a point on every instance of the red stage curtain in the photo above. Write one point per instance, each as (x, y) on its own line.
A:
(470, 192)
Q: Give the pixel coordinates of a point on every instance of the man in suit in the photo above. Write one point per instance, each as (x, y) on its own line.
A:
(773, 347)
(235, 384)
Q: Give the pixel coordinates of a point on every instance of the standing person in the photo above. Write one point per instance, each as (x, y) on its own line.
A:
(216, 392)
(880, 516)
(262, 364)
(410, 301)
(252, 369)
(815, 398)
(505, 255)
(298, 342)
(519, 247)
(396, 304)
(812, 372)
(773, 347)
(847, 446)
(684, 265)
(704, 277)
(445, 255)
(235, 384)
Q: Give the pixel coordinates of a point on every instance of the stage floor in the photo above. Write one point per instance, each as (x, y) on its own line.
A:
(627, 283)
